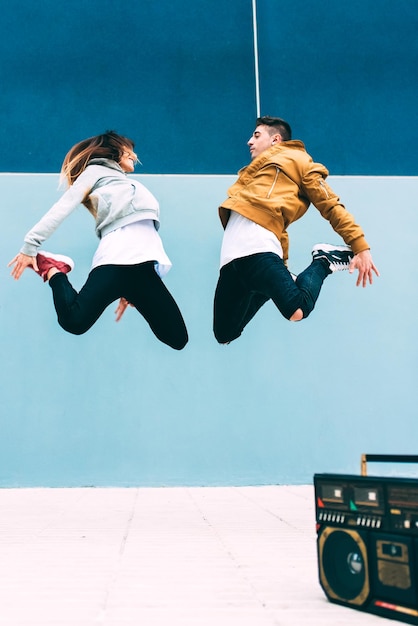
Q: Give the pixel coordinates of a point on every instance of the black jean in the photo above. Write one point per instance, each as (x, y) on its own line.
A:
(247, 283)
(139, 284)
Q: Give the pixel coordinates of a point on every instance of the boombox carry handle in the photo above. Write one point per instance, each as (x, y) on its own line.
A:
(386, 458)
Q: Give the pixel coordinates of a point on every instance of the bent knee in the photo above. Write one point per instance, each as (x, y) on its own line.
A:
(177, 342)
(225, 338)
(180, 345)
(73, 329)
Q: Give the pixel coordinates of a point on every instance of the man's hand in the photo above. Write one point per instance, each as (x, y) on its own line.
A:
(363, 262)
(20, 263)
(121, 308)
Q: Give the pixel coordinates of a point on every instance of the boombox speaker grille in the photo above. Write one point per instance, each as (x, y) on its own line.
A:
(343, 565)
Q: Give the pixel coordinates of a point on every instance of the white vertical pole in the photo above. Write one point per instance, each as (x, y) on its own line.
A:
(257, 78)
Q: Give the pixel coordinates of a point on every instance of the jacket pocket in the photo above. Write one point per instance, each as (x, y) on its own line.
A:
(324, 189)
(276, 176)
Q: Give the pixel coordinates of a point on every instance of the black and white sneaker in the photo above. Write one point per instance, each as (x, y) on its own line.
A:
(338, 257)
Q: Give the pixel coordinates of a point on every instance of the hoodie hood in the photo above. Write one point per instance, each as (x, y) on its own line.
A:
(107, 163)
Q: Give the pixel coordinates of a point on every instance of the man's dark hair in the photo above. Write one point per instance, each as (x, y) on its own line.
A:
(279, 125)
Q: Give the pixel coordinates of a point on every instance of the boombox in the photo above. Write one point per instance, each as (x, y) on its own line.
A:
(367, 540)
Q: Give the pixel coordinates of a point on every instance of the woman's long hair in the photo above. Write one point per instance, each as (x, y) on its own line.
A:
(110, 145)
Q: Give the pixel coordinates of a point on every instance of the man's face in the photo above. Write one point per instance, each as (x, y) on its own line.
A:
(262, 139)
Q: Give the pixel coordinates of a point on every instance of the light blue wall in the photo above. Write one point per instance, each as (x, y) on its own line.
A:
(116, 407)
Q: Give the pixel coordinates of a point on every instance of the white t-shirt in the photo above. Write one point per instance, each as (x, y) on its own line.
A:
(243, 237)
(131, 244)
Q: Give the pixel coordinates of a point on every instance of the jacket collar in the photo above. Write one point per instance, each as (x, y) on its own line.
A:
(270, 155)
(107, 163)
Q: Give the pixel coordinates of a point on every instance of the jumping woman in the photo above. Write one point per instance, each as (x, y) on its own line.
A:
(130, 260)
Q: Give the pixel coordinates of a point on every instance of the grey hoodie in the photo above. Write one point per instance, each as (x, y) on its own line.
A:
(116, 199)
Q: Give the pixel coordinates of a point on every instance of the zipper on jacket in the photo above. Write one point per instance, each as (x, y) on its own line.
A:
(322, 184)
(274, 182)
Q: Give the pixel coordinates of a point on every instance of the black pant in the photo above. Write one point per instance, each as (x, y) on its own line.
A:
(247, 283)
(139, 284)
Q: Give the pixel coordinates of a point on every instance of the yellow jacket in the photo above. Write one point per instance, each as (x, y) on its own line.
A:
(278, 186)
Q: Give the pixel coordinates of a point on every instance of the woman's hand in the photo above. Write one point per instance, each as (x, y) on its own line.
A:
(122, 306)
(20, 263)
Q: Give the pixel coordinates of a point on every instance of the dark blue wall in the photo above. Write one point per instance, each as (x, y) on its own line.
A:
(179, 78)
(345, 74)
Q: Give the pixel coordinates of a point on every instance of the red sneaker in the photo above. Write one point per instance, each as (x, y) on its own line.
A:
(48, 260)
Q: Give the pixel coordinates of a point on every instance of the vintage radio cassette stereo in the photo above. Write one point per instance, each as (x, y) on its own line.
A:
(367, 540)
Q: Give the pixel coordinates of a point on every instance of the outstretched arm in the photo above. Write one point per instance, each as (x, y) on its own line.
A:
(20, 263)
(363, 262)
